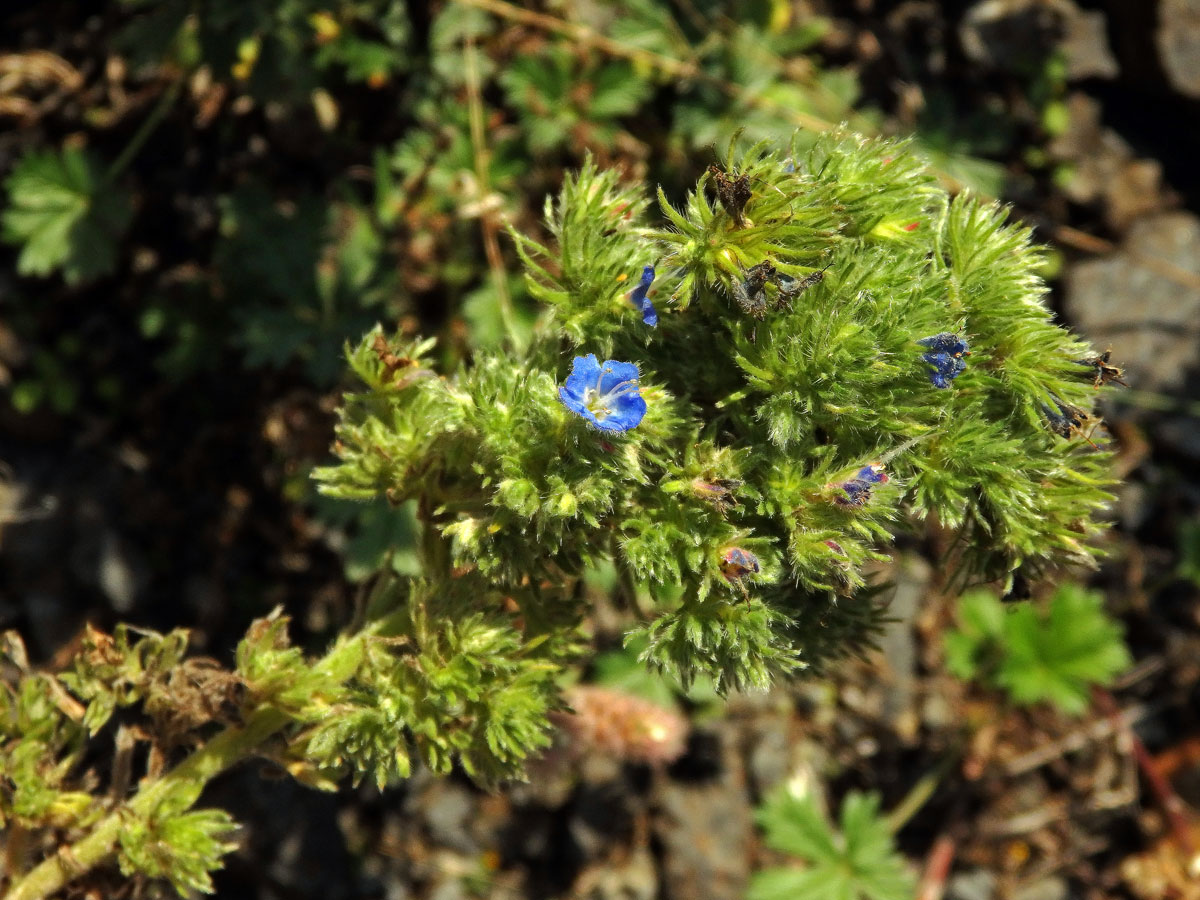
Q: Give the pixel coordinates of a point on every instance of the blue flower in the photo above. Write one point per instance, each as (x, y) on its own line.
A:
(639, 299)
(945, 357)
(858, 488)
(607, 395)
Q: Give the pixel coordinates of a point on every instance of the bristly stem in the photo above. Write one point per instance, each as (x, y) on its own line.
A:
(227, 748)
(224, 750)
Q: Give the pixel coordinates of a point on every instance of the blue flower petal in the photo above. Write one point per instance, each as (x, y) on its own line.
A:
(639, 299)
(616, 373)
(584, 372)
(872, 474)
(605, 394)
(574, 403)
(943, 362)
(649, 313)
(628, 412)
(945, 367)
(858, 492)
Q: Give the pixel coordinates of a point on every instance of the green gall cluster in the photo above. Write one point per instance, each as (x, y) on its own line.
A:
(814, 312)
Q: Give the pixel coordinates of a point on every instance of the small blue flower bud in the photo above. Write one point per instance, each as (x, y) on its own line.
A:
(857, 490)
(945, 357)
(639, 299)
(737, 563)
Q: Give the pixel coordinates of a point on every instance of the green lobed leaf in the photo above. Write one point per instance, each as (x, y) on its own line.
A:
(65, 215)
(1059, 654)
(857, 862)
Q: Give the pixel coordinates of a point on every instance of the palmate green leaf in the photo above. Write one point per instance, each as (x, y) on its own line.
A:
(979, 635)
(859, 863)
(616, 91)
(1034, 655)
(879, 872)
(1058, 656)
(782, 883)
(64, 215)
(794, 825)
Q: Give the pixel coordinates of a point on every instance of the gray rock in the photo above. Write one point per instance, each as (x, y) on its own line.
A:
(449, 809)
(1103, 166)
(1144, 300)
(634, 878)
(121, 573)
(1178, 40)
(911, 577)
(705, 830)
(1085, 44)
(1135, 504)
(1010, 35)
(1020, 35)
(1133, 192)
(1053, 888)
(977, 884)
(770, 757)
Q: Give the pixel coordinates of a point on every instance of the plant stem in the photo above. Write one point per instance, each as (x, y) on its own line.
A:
(487, 219)
(151, 122)
(221, 752)
(937, 868)
(227, 748)
(920, 793)
(1173, 807)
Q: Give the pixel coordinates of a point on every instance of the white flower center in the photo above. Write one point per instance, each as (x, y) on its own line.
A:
(601, 405)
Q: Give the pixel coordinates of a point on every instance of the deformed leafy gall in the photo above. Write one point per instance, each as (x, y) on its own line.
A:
(751, 292)
(1105, 370)
(717, 491)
